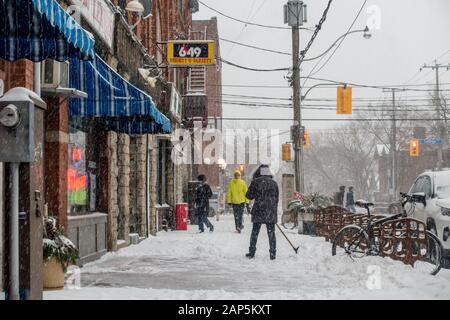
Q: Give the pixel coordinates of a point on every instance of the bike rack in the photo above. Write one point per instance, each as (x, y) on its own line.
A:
(404, 239)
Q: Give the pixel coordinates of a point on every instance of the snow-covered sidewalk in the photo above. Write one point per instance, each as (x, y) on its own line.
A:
(187, 265)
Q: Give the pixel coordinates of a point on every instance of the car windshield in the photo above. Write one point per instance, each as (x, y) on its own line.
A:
(442, 184)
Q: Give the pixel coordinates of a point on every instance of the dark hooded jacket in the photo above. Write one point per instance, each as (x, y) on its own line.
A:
(264, 190)
(204, 193)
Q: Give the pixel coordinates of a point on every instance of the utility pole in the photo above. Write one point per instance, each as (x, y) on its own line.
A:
(295, 16)
(393, 147)
(443, 127)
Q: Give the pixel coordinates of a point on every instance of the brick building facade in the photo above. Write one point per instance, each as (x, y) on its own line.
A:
(136, 182)
(210, 107)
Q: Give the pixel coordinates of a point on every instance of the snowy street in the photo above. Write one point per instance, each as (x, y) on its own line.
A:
(187, 265)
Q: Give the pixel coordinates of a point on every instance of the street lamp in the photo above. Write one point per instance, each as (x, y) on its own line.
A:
(137, 8)
(366, 34)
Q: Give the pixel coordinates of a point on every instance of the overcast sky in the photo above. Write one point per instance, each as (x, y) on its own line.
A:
(412, 33)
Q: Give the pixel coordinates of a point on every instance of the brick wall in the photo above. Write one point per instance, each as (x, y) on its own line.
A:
(19, 74)
(56, 155)
(213, 93)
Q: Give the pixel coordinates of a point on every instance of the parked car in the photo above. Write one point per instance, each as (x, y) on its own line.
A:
(432, 191)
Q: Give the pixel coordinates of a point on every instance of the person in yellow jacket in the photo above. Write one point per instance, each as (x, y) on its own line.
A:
(237, 188)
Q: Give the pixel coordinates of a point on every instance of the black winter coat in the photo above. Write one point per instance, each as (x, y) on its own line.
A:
(202, 198)
(264, 190)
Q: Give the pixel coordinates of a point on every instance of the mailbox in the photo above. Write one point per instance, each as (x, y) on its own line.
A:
(21, 111)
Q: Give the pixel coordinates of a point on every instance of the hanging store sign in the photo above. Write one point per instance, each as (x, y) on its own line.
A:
(188, 53)
(99, 15)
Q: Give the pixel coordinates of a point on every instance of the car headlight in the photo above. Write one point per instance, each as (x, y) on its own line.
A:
(445, 211)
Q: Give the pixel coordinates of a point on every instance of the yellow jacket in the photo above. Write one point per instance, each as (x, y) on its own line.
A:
(237, 188)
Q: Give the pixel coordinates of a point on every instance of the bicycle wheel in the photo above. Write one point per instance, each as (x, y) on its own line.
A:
(351, 241)
(430, 254)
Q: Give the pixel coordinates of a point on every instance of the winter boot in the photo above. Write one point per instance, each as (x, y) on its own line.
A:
(211, 228)
(250, 255)
(272, 256)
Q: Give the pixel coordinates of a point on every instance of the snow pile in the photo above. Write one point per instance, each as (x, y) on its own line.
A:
(187, 265)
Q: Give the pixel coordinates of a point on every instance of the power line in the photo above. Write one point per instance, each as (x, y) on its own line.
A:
(340, 43)
(243, 28)
(367, 108)
(246, 22)
(252, 69)
(255, 47)
(319, 99)
(305, 87)
(327, 80)
(325, 120)
(316, 31)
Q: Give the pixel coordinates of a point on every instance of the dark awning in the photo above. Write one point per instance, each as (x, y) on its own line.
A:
(112, 100)
(40, 29)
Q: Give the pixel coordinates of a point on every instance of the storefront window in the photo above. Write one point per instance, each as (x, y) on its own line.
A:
(81, 175)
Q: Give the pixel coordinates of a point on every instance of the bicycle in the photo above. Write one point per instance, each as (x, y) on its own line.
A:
(404, 239)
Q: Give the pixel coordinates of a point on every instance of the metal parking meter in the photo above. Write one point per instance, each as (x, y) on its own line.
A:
(21, 110)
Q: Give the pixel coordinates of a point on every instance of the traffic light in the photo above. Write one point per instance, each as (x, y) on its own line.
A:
(306, 138)
(414, 148)
(286, 152)
(344, 100)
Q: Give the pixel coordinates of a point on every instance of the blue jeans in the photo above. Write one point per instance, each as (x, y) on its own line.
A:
(203, 219)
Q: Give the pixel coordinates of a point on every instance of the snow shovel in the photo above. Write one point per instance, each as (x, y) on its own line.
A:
(295, 249)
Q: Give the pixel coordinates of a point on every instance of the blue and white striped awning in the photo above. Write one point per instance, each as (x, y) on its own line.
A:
(40, 29)
(112, 100)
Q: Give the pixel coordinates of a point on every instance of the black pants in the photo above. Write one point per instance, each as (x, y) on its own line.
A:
(202, 215)
(238, 211)
(270, 232)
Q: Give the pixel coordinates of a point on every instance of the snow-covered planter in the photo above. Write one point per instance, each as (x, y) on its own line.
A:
(59, 253)
(305, 209)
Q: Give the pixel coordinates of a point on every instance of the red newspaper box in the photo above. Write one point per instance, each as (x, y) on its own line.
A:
(181, 216)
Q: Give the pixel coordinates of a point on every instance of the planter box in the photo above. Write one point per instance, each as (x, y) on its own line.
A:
(306, 223)
(53, 275)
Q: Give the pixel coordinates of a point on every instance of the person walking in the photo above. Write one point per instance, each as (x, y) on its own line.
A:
(237, 188)
(350, 201)
(264, 190)
(204, 193)
(339, 196)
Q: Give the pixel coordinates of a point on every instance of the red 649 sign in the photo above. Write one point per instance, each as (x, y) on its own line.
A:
(191, 52)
